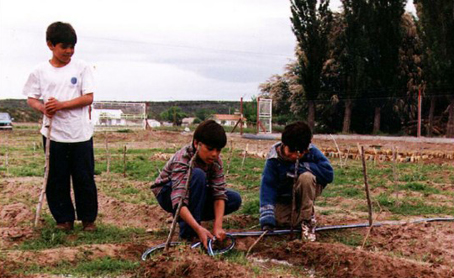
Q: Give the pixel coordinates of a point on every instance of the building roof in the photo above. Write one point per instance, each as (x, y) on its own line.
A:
(227, 117)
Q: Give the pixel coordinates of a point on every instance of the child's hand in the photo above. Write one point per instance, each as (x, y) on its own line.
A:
(219, 233)
(52, 106)
(204, 234)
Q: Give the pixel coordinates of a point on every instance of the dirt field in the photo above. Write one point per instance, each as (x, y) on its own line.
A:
(408, 250)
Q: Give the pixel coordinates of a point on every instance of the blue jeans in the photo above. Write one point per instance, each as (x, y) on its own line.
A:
(201, 203)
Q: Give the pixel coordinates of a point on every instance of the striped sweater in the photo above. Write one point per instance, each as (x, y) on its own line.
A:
(176, 169)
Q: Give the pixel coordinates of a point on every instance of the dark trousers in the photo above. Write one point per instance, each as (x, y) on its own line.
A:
(201, 202)
(76, 161)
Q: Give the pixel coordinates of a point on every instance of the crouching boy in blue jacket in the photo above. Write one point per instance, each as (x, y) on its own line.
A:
(313, 173)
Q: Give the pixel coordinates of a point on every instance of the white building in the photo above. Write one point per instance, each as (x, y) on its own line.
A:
(187, 121)
(107, 117)
(228, 120)
(153, 123)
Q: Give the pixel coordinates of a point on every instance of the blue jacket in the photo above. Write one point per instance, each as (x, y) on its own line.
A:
(277, 179)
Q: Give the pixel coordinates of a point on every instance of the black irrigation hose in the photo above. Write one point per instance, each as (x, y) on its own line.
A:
(233, 235)
(162, 246)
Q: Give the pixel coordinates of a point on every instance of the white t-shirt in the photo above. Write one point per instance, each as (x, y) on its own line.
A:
(65, 83)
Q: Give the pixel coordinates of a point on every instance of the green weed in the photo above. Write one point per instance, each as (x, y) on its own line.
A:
(50, 237)
(86, 268)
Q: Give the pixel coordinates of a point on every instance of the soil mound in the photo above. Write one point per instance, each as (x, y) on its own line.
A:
(186, 262)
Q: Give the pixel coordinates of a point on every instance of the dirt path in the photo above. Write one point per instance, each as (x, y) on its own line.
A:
(412, 250)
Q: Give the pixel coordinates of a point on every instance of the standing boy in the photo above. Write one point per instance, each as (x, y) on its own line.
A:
(66, 87)
(283, 189)
(207, 198)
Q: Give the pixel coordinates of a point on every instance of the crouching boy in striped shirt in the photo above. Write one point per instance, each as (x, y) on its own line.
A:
(208, 198)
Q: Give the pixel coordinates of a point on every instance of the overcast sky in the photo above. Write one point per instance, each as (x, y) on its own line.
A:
(147, 50)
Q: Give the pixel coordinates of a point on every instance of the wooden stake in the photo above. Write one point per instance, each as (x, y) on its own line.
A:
(370, 227)
(230, 158)
(244, 156)
(295, 180)
(124, 162)
(180, 204)
(255, 243)
(394, 164)
(338, 150)
(346, 157)
(46, 175)
(369, 203)
(6, 163)
(107, 153)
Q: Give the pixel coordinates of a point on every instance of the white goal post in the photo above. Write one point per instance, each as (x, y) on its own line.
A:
(119, 115)
(264, 115)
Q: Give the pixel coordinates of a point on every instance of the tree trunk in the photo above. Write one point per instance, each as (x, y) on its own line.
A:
(433, 101)
(311, 114)
(450, 127)
(347, 116)
(377, 118)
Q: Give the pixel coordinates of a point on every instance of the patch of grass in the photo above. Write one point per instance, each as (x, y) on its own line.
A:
(412, 206)
(50, 237)
(347, 191)
(124, 131)
(347, 237)
(126, 190)
(87, 268)
(105, 266)
(251, 208)
(351, 175)
(249, 175)
(420, 187)
(327, 212)
(30, 169)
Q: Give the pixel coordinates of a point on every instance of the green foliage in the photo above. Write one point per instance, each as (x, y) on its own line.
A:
(311, 26)
(343, 191)
(50, 237)
(203, 114)
(250, 111)
(412, 206)
(421, 187)
(87, 268)
(350, 237)
(105, 265)
(19, 110)
(251, 208)
(174, 114)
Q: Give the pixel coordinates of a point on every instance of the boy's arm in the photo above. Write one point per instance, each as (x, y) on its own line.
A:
(38, 106)
(319, 165)
(218, 231)
(268, 194)
(53, 105)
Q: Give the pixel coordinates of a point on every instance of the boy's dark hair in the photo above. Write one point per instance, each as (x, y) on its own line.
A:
(297, 136)
(60, 32)
(211, 133)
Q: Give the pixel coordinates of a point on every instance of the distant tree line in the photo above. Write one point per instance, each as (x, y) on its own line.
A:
(360, 70)
(21, 112)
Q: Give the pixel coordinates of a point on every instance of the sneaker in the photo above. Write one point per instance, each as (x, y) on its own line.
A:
(65, 226)
(89, 226)
(308, 230)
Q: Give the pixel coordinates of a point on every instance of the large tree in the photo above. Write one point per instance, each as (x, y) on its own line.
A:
(311, 26)
(174, 114)
(410, 72)
(437, 32)
(350, 51)
(385, 36)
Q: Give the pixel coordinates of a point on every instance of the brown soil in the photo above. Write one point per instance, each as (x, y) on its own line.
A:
(412, 250)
